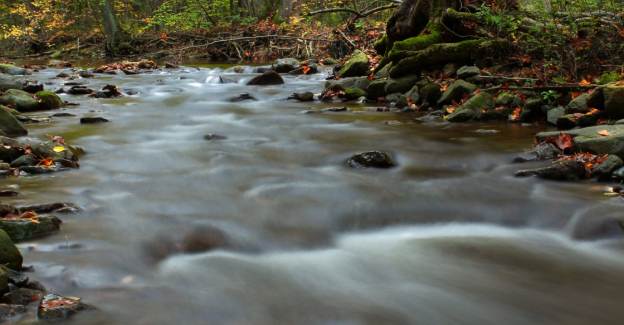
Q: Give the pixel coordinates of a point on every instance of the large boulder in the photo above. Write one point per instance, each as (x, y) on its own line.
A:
(400, 85)
(285, 65)
(20, 229)
(602, 139)
(456, 91)
(13, 70)
(20, 100)
(377, 88)
(9, 125)
(344, 83)
(49, 100)
(9, 254)
(7, 83)
(578, 104)
(268, 78)
(472, 108)
(614, 100)
(356, 66)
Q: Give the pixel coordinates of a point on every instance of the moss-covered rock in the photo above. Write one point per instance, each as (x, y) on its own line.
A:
(400, 85)
(344, 83)
(397, 99)
(477, 104)
(13, 70)
(413, 95)
(20, 100)
(430, 93)
(468, 71)
(578, 104)
(377, 88)
(381, 45)
(9, 125)
(404, 48)
(49, 100)
(7, 83)
(614, 100)
(24, 229)
(384, 72)
(9, 254)
(356, 66)
(469, 51)
(508, 99)
(354, 93)
(456, 91)
(592, 139)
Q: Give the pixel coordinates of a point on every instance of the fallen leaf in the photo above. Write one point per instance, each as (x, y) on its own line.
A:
(584, 82)
(58, 149)
(604, 133)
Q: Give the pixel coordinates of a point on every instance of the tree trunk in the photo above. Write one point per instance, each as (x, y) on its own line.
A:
(115, 36)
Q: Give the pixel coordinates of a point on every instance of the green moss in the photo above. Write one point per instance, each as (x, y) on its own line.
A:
(404, 48)
(354, 93)
(381, 45)
(49, 100)
(468, 51)
(609, 77)
(356, 66)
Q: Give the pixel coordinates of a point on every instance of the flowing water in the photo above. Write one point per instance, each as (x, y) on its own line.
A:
(448, 237)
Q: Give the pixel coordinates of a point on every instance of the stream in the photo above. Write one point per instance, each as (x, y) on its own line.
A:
(447, 237)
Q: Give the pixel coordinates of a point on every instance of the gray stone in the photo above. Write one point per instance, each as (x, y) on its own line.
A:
(554, 114)
(578, 105)
(567, 170)
(456, 92)
(371, 159)
(466, 72)
(589, 139)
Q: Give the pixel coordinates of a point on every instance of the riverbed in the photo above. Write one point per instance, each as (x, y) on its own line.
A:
(447, 237)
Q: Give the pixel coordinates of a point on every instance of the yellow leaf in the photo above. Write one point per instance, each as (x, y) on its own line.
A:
(604, 133)
(58, 149)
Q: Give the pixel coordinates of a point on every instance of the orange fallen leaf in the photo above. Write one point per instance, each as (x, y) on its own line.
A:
(515, 115)
(584, 82)
(604, 133)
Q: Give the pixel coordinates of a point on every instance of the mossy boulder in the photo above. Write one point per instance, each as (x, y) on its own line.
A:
(377, 88)
(468, 71)
(614, 100)
(578, 104)
(469, 51)
(430, 93)
(357, 82)
(10, 256)
(508, 99)
(49, 100)
(400, 85)
(354, 93)
(592, 139)
(9, 125)
(476, 105)
(7, 83)
(13, 70)
(381, 45)
(406, 47)
(25, 229)
(356, 66)
(456, 91)
(20, 100)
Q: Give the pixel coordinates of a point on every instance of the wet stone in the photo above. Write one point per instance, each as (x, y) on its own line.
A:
(371, 159)
(26, 229)
(567, 170)
(22, 296)
(93, 120)
(57, 308)
(240, 98)
(214, 137)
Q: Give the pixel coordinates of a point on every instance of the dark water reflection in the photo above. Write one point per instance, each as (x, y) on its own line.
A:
(448, 237)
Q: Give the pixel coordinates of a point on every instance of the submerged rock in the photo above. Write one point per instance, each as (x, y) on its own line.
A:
(80, 90)
(566, 170)
(371, 159)
(93, 120)
(268, 78)
(108, 91)
(240, 98)
(303, 97)
(542, 151)
(214, 137)
(285, 65)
